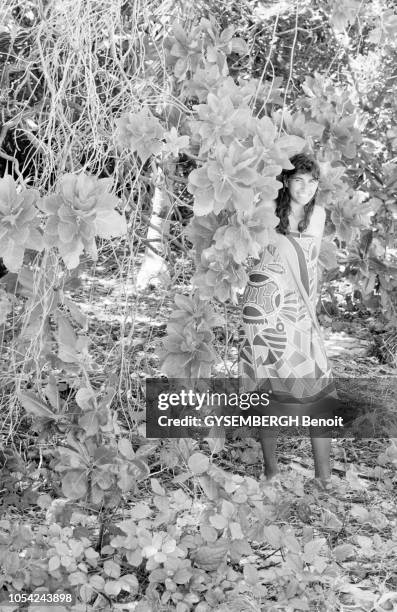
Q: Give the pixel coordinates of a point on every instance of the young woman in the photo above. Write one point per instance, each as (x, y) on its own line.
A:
(282, 347)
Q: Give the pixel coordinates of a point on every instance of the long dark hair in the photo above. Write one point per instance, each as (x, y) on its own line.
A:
(302, 163)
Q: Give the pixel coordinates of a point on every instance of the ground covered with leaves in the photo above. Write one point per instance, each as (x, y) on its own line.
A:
(305, 549)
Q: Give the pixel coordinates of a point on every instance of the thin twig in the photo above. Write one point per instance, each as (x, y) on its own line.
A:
(291, 65)
(264, 71)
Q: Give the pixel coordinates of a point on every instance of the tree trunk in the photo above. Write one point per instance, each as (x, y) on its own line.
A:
(154, 270)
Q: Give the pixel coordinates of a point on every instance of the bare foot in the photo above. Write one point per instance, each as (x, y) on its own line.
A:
(269, 475)
(321, 484)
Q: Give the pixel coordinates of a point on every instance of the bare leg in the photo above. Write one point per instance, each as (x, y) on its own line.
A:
(321, 452)
(269, 444)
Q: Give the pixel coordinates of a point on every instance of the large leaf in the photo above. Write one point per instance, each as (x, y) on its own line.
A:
(109, 224)
(272, 534)
(71, 458)
(85, 399)
(204, 202)
(74, 484)
(129, 583)
(71, 252)
(34, 405)
(327, 256)
(126, 481)
(52, 393)
(35, 240)
(66, 341)
(184, 302)
(67, 231)
(216, 444)
(26, 279)
(198, 463)
(175, 364)
(290, 144)
(76, 313)
(89, 422)
(113, 587)
(139, 469)
(125, 448)
(13, 256)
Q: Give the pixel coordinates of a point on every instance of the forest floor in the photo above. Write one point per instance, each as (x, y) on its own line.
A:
(358, 518)
(360, 513)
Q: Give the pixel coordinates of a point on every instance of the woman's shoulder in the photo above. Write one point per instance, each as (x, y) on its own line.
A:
(317, 221)
(318, 211)
(318, 215)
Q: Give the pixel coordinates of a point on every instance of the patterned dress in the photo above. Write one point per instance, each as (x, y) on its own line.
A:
(281, 347)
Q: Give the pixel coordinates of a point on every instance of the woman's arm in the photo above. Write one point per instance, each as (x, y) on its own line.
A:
(316, 226)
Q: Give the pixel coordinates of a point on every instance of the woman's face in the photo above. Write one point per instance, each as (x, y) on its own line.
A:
(302, 186)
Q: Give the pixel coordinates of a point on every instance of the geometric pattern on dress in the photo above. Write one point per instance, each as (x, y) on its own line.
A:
(279, 340)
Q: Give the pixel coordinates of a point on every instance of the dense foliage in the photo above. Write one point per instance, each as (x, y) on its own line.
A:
(89, 124)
